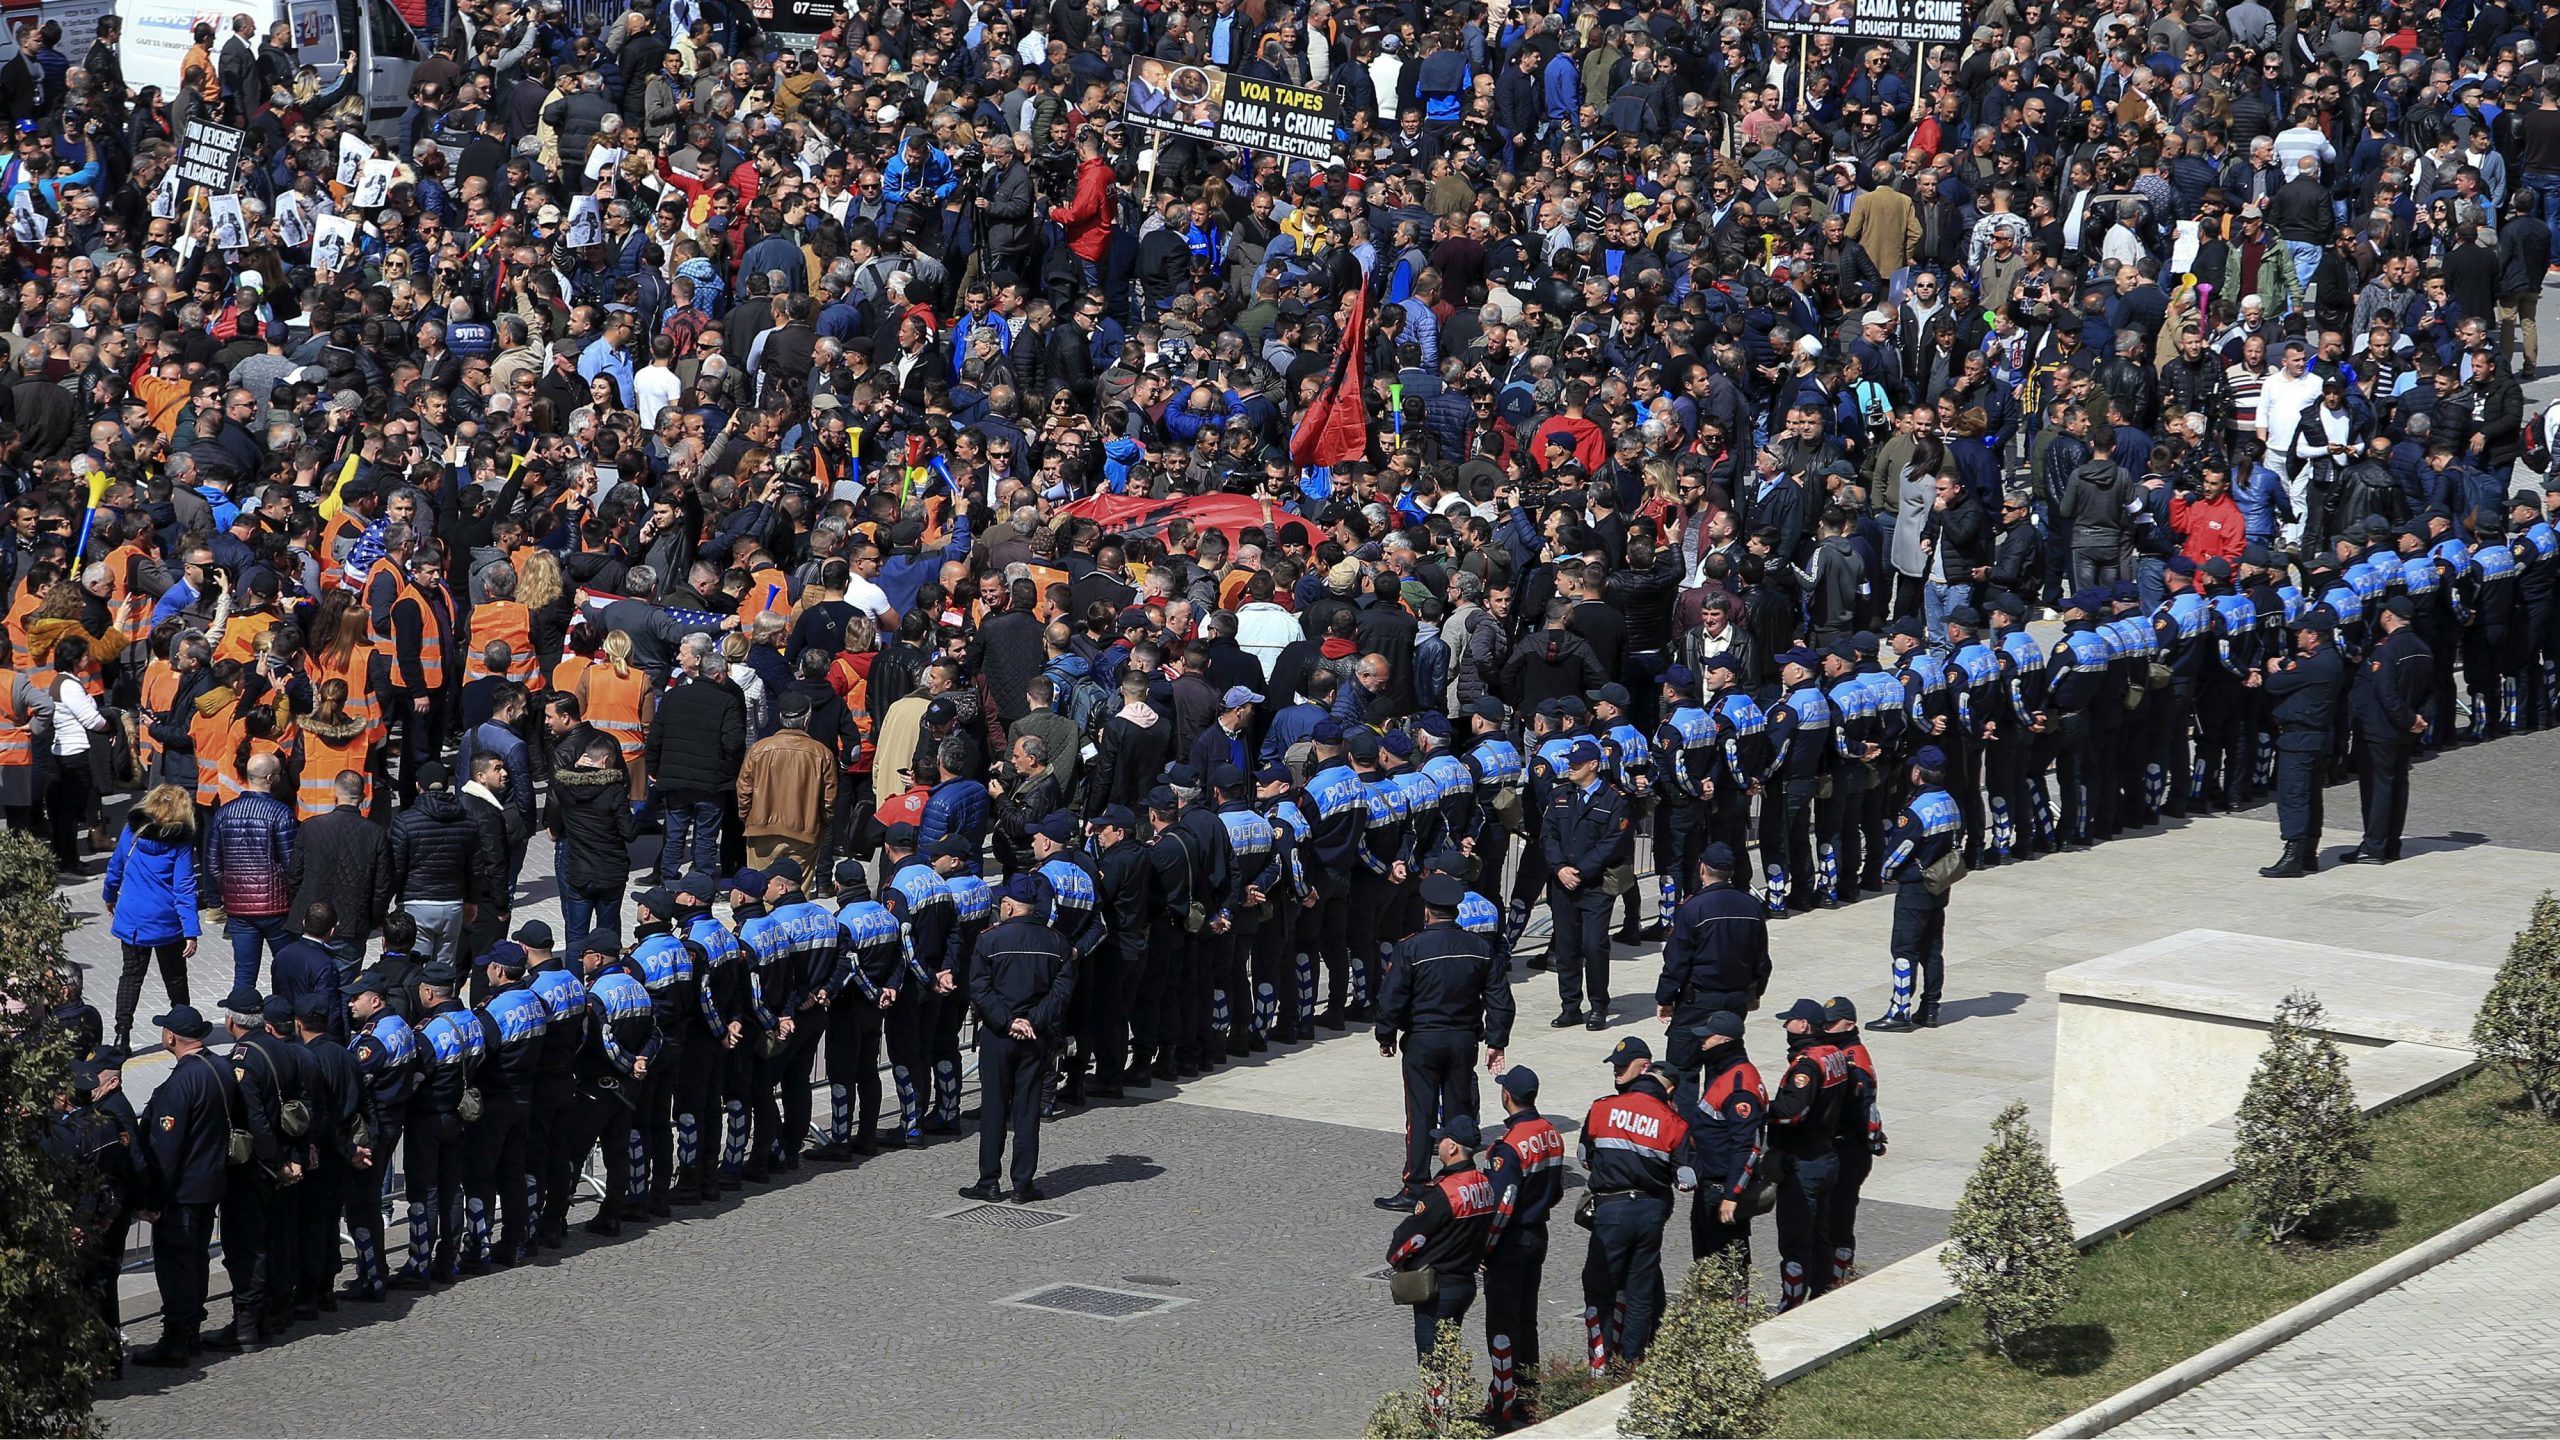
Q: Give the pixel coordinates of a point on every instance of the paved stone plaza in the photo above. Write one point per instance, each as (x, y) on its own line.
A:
(2463, 1349)
(840, 1301)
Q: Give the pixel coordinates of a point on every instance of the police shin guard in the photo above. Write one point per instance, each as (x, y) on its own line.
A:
(1306, 970)
(369, 1276)
(1504, 1392)
(2510, 697)
(1826, 872)
(688, 1142)
(1266, 1011)
(1900, 1009)
(1670, 893)
(946, 1091)
(1517, 924)
(2266, 767)
(635, 1196)
(1792, 1290)
(2196, 781)
(1776, 899)
(1596, 1339)
(839, 1115)
(1844, 1258)
(2003, 832)
(475, 1230)
(422, 1237)
(2155, 786)
(910, 1108)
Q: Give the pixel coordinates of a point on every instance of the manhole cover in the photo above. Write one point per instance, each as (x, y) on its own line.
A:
(1095, 1302)
(1004, 1217)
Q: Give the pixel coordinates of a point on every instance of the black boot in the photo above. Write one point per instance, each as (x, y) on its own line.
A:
(2287, 867)
(1927, 1019)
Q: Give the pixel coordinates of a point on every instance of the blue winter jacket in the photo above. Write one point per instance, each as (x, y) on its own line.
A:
(151, 886)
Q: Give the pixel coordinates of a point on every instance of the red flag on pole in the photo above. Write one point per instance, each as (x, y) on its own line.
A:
(1335, 429)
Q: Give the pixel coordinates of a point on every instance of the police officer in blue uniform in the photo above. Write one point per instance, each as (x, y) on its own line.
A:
(1925, 833)
(1584, 834)
(1337, 821)
(1452, 1216)
(618, 1044)
(386, 1054)
(1282, 973)
(1383, 855)
(1716, 960)
(2304, 687)
(1801, 753)
(1804, 1122)
(756, 1142)
(1200, 1045)
(1637, 1154)
(187, 1128)
(1234, 1005)
(971, 903)
(1729, 1124)
(1443, 990)
(555, 1087)
(452, 1047)
(1075, 911)
(1861, 1136)
(2388, 703)
(1526, 1164)
(1685, 754)
(871, 967)
(1173, 864)
(715, 1090)
(1743, 755)
(1020, 981)
(1126, 904)
(912, 890)
(810, 936)
(514, 1020)
(257, 1247)
(337, 1102)
(1500, 773)
(1626, 760)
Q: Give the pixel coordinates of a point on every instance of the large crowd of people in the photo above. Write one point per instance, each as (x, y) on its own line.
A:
(1019, 576)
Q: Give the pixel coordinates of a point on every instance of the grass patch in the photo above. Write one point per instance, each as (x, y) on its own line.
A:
(2183, 1282)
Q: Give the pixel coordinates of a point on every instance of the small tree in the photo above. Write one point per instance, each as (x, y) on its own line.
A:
(52, 1345)
(2009, 1246)
(2519, 1023)
(2302, 1143)
(1702, 1377)
(1443, 1406)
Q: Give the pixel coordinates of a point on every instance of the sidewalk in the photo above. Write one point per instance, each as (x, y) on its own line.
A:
(2463, 1349)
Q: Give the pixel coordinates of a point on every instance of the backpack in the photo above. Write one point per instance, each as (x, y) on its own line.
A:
(1082, 699)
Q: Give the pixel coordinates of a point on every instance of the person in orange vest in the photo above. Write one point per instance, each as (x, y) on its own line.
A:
(501, 618)
(359, 504)
(23, 706)
(41, 579)
(334, 740)
(253, 614)
(386, 575)
(425, 664)
(617, 698)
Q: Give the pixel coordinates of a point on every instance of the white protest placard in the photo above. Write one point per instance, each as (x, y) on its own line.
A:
(27, 225)
(334, 247)
(373, 184)
(230, 227)
(352, 153)
(601, 161)
(586, 221)
(164, 196)
(293, 218)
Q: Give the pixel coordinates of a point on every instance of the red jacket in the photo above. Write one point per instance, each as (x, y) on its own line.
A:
(2208, 528)
(1088, 216)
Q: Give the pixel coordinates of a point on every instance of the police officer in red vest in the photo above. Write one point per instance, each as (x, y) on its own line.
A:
(1636, 1151)
(1804, 1123)
(1447, 1230)
(1527, 1167)
(1731, 1125)
(1861, 1136)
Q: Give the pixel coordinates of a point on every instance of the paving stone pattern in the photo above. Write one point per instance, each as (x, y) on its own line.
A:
(2464, 1349)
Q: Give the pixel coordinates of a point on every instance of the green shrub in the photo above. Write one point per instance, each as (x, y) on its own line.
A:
(1702, 1376)
(2519, 1023)
(2009, 1245)
(2302, 1137)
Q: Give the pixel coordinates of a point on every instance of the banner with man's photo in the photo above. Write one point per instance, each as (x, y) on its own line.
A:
(1204, 102)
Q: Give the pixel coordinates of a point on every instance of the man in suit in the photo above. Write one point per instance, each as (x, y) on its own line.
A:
(1884, 222)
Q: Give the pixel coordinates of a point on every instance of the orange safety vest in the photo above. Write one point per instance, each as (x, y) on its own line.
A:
(22, 610)
(17, 742)
(217, 738)
(159, 688)
(384, 565)
(503, 620)
(611, 703)
(348, 526)
(1044, 576)
(130, 606)
(240, 637)
(323, 757)
(770, 589)
(430, 633)
(565, 676)
(362, 703)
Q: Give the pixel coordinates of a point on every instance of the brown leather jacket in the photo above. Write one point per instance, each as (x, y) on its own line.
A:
(787, 786)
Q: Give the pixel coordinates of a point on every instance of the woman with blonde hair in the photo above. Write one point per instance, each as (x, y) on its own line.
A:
(151, 892)
(617, 698)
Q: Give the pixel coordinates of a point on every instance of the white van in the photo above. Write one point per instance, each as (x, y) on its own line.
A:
(357, 47)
